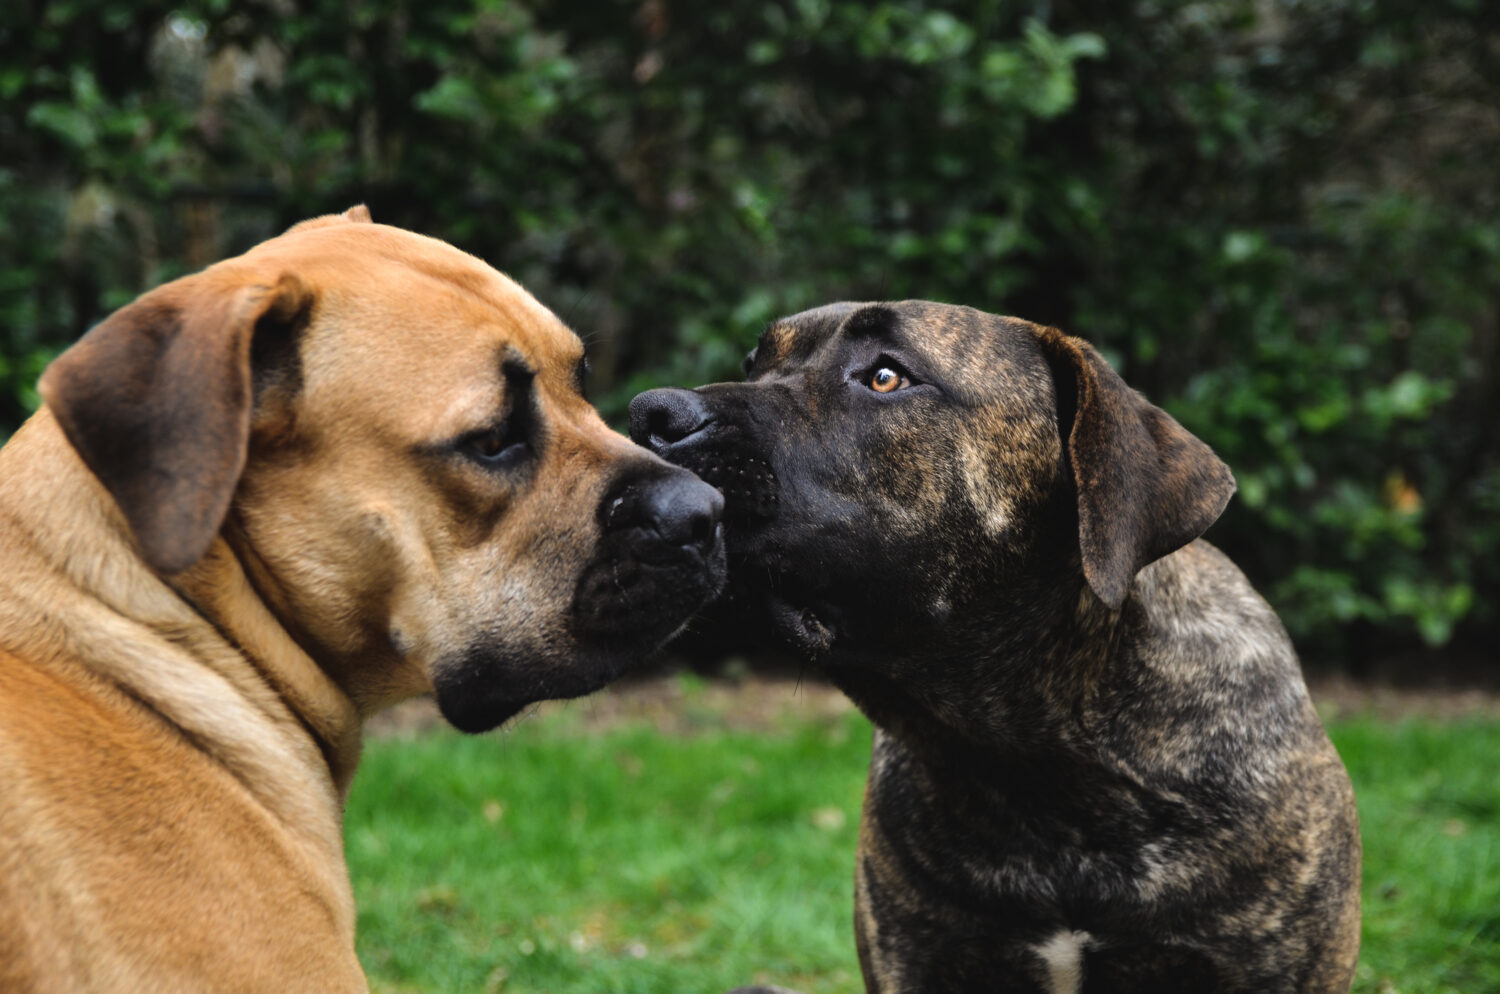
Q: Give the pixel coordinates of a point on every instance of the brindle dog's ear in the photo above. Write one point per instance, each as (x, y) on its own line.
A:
(157, 401)
(1146, 486)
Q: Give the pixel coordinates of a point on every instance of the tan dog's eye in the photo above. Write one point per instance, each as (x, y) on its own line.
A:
(885, 379)
(500, 447)
(490, 444)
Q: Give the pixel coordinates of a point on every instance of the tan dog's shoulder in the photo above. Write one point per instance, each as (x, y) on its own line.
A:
(128, 852)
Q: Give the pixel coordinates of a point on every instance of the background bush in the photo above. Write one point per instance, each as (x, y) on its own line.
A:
(1277, 217)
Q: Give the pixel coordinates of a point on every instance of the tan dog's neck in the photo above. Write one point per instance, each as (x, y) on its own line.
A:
(220, 667)
(220, 589)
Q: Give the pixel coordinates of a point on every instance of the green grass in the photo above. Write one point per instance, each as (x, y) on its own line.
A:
(548, 859)
(1429, 807)
(554, 858)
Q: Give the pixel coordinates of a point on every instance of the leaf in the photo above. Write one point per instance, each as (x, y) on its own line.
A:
(65, 122)
(452, 97)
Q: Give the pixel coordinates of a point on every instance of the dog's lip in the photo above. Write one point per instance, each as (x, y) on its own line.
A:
(804, 627)
(489, 685)
(796, 607)
(475, 721)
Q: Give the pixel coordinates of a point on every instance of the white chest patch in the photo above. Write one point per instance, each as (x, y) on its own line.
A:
(1062, 954)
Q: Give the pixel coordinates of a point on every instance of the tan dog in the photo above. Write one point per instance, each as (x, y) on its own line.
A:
(352, 465)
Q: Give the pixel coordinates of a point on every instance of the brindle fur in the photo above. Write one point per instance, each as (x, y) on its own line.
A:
(1096, 768)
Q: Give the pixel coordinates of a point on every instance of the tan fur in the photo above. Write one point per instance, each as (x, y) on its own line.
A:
(176, 747)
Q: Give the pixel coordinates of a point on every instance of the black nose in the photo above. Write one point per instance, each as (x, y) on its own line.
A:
(661, 418)
(674, 513)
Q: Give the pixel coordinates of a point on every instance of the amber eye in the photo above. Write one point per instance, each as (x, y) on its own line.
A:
(885, 379)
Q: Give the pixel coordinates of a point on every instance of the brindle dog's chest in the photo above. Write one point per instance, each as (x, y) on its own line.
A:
(1030, 874)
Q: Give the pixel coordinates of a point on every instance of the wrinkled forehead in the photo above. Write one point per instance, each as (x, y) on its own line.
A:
(427, 293)
(416, 324)
(967, 349)
(799, 336)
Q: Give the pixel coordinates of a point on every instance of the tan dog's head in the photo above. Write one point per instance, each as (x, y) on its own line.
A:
(393, 438)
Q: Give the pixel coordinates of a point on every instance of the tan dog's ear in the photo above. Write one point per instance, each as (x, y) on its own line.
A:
(1146, 486)
(157, 401)
(358, 214)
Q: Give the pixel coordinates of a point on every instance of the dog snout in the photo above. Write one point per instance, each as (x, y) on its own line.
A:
(661, 418)
(673, 514)
(709, 431)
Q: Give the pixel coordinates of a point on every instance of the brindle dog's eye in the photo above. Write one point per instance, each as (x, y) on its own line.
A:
(885, 379)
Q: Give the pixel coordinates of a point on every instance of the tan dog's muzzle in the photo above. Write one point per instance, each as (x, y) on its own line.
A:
(661, 546)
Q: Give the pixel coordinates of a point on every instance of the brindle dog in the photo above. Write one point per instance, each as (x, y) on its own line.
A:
(1096, 768)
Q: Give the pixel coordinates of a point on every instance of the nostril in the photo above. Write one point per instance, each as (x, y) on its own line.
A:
(670, 515)
(660, 427)
(685, 518)
(702, 532)
(661, 418)
(703, 527)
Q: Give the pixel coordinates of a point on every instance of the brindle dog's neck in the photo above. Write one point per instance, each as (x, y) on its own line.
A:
(975, 743)
(1007, 682)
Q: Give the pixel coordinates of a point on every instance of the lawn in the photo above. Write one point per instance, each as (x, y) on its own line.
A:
(567, 854)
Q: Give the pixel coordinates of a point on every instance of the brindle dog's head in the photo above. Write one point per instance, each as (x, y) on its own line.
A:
(392, 439)
(899, 474)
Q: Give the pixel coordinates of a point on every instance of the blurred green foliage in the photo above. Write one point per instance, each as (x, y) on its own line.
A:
(1277, 217)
